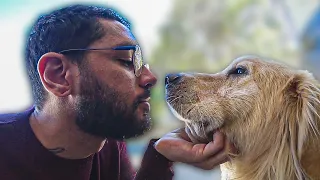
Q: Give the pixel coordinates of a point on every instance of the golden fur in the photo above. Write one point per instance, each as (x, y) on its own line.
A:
(270, 112)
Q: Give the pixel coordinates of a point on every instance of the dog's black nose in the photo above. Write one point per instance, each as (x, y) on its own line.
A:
(172, 78)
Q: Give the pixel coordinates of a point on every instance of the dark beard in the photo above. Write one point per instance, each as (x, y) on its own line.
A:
(102, 111)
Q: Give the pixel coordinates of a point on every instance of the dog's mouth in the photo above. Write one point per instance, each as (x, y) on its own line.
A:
(201, 123)
(200, 134)
(200, 129)
(210, 135)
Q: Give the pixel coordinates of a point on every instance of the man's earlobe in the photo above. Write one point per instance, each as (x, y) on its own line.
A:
(54, 71)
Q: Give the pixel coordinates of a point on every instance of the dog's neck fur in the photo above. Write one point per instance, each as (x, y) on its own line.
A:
(273, 163)
(259, 159)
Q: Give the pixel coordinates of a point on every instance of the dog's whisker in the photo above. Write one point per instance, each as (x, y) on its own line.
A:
(173, 100)
(190, 109)
(203, 129)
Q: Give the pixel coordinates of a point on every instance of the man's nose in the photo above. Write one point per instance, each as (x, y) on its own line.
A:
(173, 78)
(147, 78)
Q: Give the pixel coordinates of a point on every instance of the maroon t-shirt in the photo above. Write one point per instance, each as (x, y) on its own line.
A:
(22, 157)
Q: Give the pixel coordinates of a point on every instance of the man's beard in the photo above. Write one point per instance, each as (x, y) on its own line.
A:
(102, 111)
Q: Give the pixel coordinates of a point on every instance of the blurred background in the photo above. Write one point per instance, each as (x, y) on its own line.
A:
(176, 35)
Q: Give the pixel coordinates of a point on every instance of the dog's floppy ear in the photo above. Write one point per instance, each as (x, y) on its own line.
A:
(303, 86)
(302, 95)
(302, 111)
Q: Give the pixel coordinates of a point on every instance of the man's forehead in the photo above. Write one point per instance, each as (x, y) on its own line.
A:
(115, 34)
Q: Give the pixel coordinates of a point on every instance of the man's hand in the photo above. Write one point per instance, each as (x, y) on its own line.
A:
(177, 146)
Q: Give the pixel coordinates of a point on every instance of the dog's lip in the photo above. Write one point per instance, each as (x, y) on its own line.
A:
(210, 134)
(204, 137)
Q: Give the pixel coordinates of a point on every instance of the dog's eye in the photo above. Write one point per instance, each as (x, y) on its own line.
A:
(239, 70)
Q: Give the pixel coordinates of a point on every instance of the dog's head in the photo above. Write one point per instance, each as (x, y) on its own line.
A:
(253, 101)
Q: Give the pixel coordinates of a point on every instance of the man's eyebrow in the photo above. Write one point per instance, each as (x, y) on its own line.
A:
(125, 43)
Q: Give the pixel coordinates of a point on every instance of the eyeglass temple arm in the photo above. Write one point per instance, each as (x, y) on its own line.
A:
(93, 49)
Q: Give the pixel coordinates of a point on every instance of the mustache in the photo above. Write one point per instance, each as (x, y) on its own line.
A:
(146, 94)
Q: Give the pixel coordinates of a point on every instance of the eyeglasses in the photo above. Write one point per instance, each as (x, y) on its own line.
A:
(136, 55)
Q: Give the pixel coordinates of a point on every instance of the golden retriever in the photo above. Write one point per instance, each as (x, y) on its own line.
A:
(268, 110)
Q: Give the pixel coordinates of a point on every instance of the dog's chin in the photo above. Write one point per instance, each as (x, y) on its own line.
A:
(194, 128)
(197, 136)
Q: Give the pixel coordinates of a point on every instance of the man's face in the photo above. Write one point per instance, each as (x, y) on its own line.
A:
(113, 102)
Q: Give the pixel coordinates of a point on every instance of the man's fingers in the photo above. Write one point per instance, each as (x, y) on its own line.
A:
(182, 134)
(222, 156)
(195, 153)
(215, 146)
(213, 162)
(187, 152)
(179, 150)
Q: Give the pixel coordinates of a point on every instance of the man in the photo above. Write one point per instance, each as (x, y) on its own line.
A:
(91, 91)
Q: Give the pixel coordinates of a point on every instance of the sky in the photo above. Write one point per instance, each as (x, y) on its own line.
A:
(16, 16)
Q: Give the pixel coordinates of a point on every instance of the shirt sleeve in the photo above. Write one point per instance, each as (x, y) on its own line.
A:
(154, 166)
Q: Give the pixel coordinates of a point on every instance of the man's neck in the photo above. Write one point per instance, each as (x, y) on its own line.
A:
(60, 135)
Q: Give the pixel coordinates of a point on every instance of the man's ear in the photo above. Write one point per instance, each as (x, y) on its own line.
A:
(55, 74)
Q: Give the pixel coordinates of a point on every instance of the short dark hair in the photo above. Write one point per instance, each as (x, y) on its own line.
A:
(74, 26)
